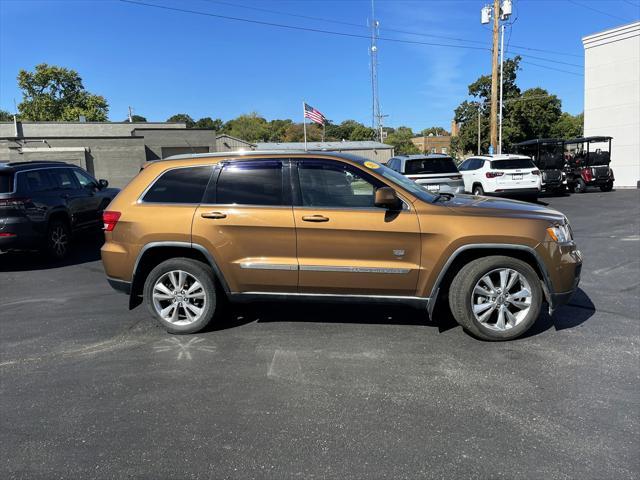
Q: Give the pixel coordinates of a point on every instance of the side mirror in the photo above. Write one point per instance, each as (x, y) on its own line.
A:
(102, 184)
(386, 198)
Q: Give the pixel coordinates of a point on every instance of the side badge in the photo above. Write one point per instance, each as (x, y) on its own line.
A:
(398, 253)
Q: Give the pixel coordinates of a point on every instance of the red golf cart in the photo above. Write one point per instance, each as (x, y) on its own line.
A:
(587, 162)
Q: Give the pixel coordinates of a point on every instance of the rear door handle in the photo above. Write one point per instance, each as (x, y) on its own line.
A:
(214, 215)
(315, 218)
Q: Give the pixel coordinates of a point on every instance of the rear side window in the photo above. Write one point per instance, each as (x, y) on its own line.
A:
(430, 165)
(180, 185)
(6, 182)
(34, 181)
(512, 164)
(250, 183)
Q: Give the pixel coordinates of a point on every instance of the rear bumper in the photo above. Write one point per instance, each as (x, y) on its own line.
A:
(505, 192)
(120, 285)
(17, 233)
(445, 186)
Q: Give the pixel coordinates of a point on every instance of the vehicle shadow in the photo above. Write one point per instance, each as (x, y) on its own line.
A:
(85, 248)
(578, 311)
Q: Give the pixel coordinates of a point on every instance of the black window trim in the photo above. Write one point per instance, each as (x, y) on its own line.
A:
(141, 201)
(297, 194)
(287, 194)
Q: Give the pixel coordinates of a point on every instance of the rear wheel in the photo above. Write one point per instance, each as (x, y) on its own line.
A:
(496, 298)
(478, 190)
(58, 239)
(607, 187)
(180, 294)
(580, 186)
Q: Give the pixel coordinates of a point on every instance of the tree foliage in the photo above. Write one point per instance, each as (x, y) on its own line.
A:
(138, 119)
(52, 93)
(434, 131)
(5, 116)
(400, 138)
(182, 118)
(210, 123)
(568, 126)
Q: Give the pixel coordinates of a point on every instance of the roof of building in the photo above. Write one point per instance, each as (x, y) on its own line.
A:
(325, 146)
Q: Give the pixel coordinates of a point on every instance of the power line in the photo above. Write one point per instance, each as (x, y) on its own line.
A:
(327, 32)
(389, 29)
(597, 10)
(552, 68)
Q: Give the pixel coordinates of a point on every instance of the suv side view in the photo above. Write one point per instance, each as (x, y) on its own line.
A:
(501, 175)
(42, 204)
(191, 231)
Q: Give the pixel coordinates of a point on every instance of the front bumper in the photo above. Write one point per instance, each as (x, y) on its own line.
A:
(564, 264)
(120, 285)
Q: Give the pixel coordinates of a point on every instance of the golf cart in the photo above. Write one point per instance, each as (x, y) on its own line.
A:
(587, 163)
(547, 155)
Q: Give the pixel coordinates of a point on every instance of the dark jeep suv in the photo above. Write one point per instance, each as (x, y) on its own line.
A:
(43, 203)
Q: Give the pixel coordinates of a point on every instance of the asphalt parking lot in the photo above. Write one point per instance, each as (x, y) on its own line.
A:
(89, 389)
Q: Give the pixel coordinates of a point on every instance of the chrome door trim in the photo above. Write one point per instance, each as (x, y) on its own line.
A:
(267, 266)
(349, 269)
(333, 296)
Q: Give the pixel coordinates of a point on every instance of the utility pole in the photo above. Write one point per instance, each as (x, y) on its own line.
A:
(376, 115)
(501, 88)
(478, 129)
(130, 115)
(494, 76)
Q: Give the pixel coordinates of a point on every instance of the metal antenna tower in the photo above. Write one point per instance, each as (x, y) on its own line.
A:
(376, 115)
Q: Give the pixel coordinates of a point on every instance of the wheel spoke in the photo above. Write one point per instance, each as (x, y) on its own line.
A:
(487, 315)
(500, 322)
(163, 288)
(481, 307)
(195, 295)
(511, 319)
(504, 274)
(482, 291)
(512, 280)
(520, 305)
(187, 311)
(181, 278)
(162, 296)
(197, 311)
(164, 313)
(174, 280)
(489, 283)
(194, 286)
(521, 293)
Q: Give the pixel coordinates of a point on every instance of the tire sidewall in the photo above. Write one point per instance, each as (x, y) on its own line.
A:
(202, 274)
(478, 190)
(49, 245)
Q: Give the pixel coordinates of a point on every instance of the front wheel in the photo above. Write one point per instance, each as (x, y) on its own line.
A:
(478, 190)
(496, 298)
(180, 294)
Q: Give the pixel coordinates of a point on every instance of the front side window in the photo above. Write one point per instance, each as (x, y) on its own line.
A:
(179, 185)
(85, 180)
(335, 185)
(250, 183)
(63, 178)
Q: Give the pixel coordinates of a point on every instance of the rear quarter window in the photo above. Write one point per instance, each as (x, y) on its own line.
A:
(179, 185)
(34, 181)
(6, 182)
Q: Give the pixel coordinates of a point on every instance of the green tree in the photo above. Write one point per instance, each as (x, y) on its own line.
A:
(533, 115)
(137, 119)
(435, 131)
(360, 132)
(344, 130)
(5, 116)
(401, 141)
(210, 123)
(52, 93)
(277, 130)
(249, 127)
(568, 126)
(182, 118)
(295, 133)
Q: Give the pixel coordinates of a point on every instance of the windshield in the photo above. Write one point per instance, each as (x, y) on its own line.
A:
(430, 165)
(6, 182)
(512, 164)
(404, 182)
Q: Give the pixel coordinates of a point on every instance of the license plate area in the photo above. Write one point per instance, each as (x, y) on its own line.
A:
(433, 188)
(516, 176)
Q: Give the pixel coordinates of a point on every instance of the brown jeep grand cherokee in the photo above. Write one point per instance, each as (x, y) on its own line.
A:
(191, 230)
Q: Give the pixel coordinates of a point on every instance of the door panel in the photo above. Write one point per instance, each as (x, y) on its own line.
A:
(345, 244)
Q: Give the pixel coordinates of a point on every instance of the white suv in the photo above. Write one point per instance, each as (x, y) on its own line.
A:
(501, 175)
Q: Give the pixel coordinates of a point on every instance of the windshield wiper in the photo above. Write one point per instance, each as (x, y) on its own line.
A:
(445, 195)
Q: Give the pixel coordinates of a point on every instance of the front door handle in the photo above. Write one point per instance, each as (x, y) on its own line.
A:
(315, 218)
(214, 215)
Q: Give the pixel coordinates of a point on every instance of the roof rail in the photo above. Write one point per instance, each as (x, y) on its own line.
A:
(54, 162)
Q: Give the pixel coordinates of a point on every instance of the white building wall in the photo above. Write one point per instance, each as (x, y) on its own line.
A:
(612, 97)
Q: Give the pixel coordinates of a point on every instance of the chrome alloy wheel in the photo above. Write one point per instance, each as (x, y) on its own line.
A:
(59, 240)
(179, 298)
(501, 299)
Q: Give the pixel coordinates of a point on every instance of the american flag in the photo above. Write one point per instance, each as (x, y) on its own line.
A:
(314, 115)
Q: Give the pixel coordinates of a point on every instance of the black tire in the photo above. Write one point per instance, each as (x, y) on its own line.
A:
(58, 241)
(607, 187)
(478, 190)
(461, 291)
(197, 270)
(571, 187)
(580, 186)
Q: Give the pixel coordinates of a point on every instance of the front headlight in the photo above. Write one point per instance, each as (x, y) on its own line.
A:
(560, 233)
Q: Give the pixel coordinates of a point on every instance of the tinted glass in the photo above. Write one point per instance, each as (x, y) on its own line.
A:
(250, 183)
(334, 184)
(62, 178)
(430, 165)
(6, 182)
(34, 181)
(84, 179)
(512, 164)
(180, 185)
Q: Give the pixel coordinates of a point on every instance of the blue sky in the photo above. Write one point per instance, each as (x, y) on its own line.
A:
(164, 62)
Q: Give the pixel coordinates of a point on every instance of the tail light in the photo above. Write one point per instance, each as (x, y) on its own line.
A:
(7, 234)
(14, 202)
(494, 174)
(110, 219)
(535, 172)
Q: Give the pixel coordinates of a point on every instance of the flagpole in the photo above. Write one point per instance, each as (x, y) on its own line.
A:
(304, 123)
